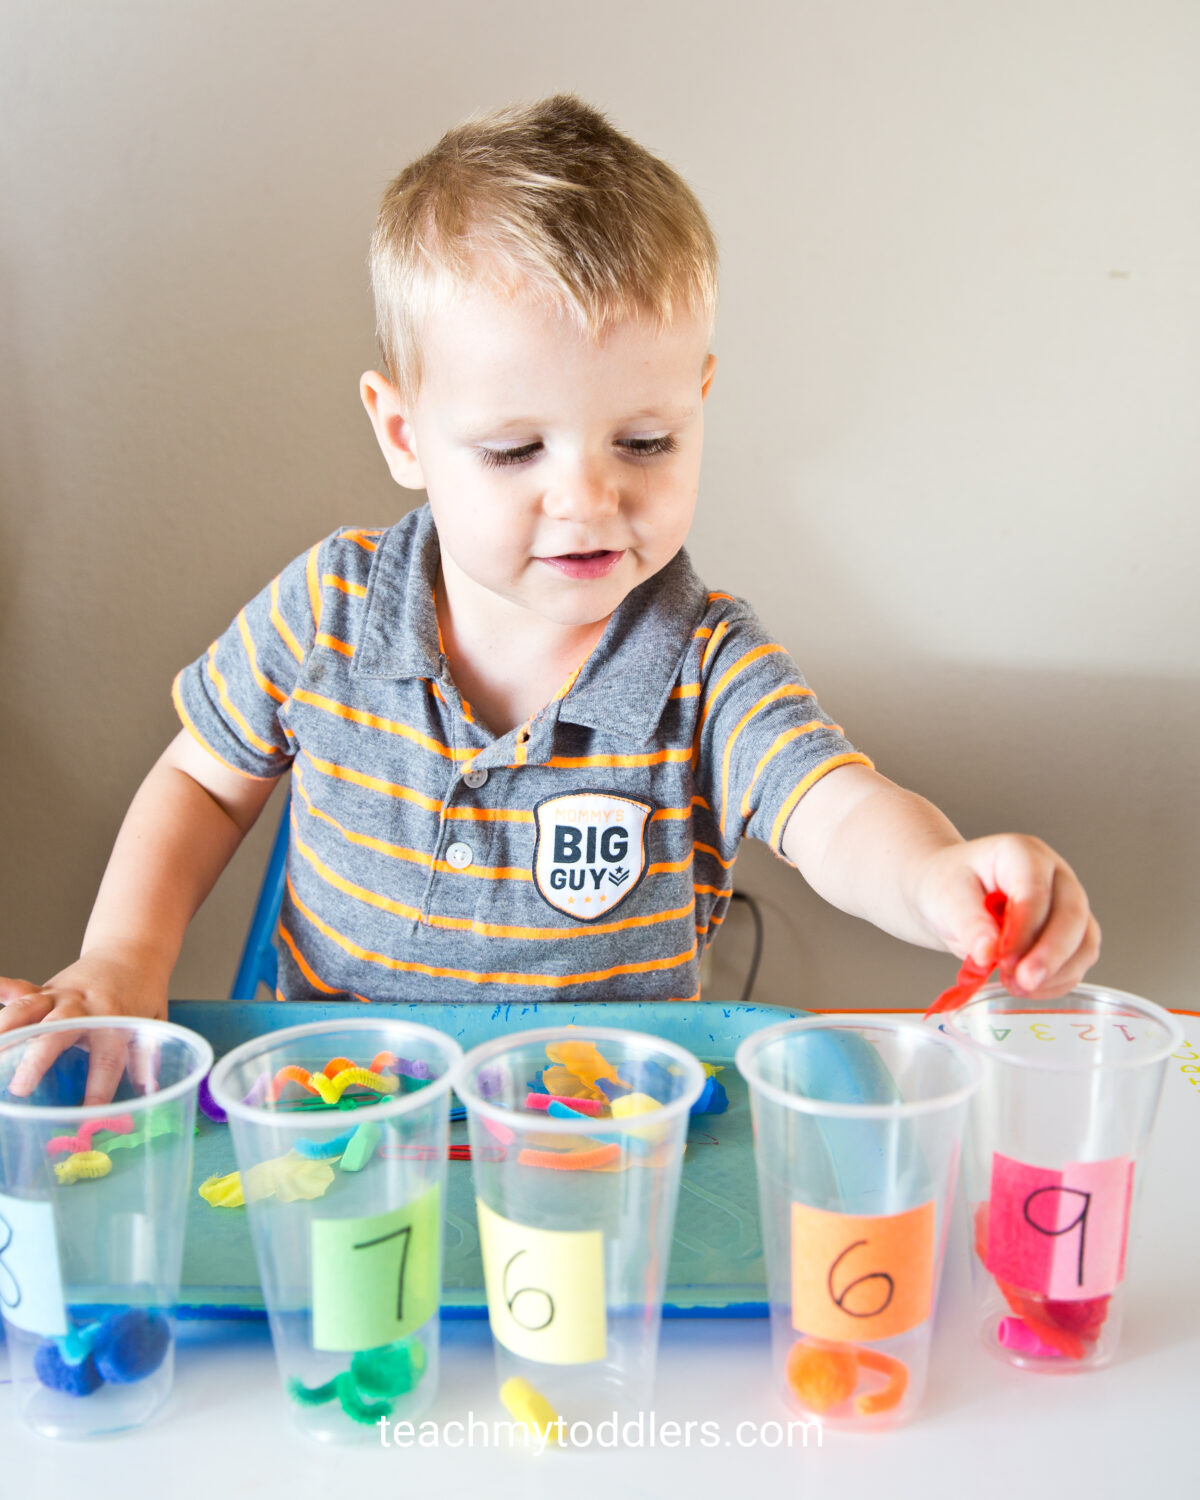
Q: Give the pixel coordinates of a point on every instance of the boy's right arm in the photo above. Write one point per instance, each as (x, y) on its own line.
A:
(183, 826)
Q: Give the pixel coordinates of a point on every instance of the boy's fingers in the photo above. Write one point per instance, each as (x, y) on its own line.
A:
(22, 1004)
(41, 1054)
(966, 925)
(1059, 939)
(106, 1065)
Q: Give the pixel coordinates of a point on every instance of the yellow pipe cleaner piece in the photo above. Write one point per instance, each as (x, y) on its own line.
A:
(332, 1089)
(527, 1405)
(81, 1166)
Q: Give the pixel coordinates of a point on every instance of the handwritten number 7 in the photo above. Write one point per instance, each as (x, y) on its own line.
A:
(1078, 1222)
(406, 1232)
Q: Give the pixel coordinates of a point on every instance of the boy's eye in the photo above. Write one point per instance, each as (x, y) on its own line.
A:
(500, 458)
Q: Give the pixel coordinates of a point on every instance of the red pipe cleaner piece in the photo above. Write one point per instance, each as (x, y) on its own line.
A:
(972, 976)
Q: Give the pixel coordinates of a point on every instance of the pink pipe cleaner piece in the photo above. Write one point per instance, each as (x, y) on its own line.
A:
(118, 1124)
(1021, 1339)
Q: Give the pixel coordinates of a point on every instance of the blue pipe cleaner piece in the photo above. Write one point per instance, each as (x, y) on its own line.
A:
(649, 1078)
(535, 1084)
(610, 1090)
(131, 1345)
(61, 1375)
(316, 1150)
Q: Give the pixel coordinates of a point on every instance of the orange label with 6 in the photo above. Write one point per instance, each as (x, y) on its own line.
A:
(861, 1277)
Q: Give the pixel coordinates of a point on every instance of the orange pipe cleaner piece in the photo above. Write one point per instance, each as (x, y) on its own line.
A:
(290, 1074)
(569, 1161)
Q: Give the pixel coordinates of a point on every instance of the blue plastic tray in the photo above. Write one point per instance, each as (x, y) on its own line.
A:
(716, 1266)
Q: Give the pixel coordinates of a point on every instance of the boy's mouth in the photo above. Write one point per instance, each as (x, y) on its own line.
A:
(585, 564)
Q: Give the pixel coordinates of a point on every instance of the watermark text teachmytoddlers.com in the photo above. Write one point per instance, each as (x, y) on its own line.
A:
(642, 1431)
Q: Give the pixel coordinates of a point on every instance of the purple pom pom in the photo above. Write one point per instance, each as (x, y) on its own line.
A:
(73, 1380)
(209, 1105)
(131, 1345)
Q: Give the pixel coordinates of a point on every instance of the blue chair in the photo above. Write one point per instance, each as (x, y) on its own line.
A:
(259, 963)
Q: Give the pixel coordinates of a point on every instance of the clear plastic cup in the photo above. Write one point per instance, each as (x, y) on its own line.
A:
(858, 1129)
(345, 1186)
(1056, 1133)
(92, 1207)
(575, 1258)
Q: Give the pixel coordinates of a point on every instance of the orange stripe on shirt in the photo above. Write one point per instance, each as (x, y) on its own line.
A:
(726, 864)
(355, 590)
(281, 625)
(372, 783)
(728, 676)
(186, 720)
(779, 742)
(785, 812)
(334, 644)
(473, 976)
(686, 690)
(713, 642)
(232, 709)
(314, 586)
(400, 851)
(263, 681)
(363, 538)
(653, 758)
(788, 690)
(373, 721)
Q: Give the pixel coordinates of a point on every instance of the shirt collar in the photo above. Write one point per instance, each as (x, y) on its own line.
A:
(623, 686)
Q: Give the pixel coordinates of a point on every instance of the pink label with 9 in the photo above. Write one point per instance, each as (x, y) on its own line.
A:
(1060, 1233)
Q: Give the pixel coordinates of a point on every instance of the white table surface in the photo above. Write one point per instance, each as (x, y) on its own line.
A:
(984, 1430)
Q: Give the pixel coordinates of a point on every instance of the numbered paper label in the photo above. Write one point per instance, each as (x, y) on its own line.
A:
(545, 1289)
(861, 1277)
(375, 1279)
(31, 1292)
(1060, 1233)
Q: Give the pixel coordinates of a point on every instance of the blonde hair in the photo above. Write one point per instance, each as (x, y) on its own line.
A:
(549, 197)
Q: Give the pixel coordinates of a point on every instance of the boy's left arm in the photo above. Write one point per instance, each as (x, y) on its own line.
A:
(883, 853)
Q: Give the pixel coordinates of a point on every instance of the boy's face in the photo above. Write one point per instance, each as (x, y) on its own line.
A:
(561, 472)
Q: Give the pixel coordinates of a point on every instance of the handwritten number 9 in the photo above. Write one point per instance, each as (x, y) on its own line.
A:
(1078, 1222)
(7, 1275)
(406, 1232)
(839, 1298)
(525, 1291)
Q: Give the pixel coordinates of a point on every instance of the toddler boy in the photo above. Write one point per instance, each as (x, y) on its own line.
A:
(525, 739)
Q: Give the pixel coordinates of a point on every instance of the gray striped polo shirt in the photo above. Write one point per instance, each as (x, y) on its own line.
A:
(586, 855)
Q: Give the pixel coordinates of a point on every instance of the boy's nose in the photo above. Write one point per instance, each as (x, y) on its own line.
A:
(586, 491)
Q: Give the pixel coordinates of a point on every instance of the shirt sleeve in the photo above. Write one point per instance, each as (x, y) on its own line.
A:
(762, 738)
(233, 699)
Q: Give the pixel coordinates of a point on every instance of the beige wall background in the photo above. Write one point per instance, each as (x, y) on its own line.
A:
(952, 453)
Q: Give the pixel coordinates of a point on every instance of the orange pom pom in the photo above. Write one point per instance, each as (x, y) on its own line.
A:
(821, 1377)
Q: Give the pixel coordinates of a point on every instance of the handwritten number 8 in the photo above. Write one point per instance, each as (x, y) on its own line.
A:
(525, 1291)
(839, 1298)
(8, 1276)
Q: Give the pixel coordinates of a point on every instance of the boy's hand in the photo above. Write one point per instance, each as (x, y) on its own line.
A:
(101, 983)
(1051, 938)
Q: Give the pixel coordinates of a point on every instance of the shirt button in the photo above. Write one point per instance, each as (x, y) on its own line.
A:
(475, 779)
(459, 856)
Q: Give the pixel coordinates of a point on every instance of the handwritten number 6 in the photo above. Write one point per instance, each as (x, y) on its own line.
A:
(8, 1273)
(525, 1291)
(839, 1298)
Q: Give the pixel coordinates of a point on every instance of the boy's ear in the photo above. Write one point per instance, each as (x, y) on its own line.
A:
(393, 430)
(706, 375)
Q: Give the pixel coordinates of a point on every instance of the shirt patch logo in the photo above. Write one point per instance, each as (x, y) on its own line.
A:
(591, 851)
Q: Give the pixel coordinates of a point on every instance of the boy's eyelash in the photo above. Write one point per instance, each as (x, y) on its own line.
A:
(499, 458)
